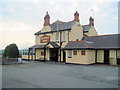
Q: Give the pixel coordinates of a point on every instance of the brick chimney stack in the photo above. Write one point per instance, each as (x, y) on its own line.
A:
(91, 21)
(47, 19)
(76, 16)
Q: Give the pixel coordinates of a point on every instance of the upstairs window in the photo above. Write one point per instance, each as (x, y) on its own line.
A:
(63, 36)
(57, 36)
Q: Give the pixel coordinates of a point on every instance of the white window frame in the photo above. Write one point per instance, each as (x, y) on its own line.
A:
(57, 36)
(70, 54)
(64, 36)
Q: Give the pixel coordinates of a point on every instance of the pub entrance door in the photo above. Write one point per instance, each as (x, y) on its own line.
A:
(54, 54)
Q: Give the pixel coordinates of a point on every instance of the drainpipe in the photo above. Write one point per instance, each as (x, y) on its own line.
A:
(60, 45)
(60, 50)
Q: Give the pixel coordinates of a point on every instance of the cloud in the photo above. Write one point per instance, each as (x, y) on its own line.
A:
(14, 25)
(95, 7)
(104, 15)
(37, 1)
(25, 7)
(17, 32)
(115, 18)
(27, 18)
(8, 8)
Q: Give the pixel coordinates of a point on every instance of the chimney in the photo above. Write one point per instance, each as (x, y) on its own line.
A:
(91, 21)
(47, 19)
(76, 16)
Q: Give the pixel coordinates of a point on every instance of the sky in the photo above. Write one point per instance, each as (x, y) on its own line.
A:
(20, 19)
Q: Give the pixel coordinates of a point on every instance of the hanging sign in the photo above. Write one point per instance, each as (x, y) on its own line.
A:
(45, 39)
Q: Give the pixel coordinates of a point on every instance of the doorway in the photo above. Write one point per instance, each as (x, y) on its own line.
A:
(106, 56)
(64, 56)
(53, 54)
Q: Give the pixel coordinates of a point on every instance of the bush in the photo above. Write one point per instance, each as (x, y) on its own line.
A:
(11, 51)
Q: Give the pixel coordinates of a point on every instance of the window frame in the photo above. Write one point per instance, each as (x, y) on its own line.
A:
(57, 36)
(70, 54)
(83, 52)
(42, 53)
(75, 52)
(64, 37)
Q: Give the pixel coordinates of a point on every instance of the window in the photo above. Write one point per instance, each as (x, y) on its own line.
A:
(42, 53)
(33, 52)
(63, 36)
(25, 52)
(57, 36)
(74, 52)
(70, 54)
(82, 52)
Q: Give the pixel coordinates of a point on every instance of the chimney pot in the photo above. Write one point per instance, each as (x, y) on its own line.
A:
(76, 16)
(47, 19)
(91, 21)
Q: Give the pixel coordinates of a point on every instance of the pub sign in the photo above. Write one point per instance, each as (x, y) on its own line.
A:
(44, 39)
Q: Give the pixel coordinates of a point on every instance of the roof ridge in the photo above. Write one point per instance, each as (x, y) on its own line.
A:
(102, 35)
(52, 44)
(70, 21)
(77, 41)
(62, 22)
(58, 21)
(86, 25)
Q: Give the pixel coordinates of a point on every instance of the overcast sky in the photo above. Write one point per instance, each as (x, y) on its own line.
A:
(20, 19)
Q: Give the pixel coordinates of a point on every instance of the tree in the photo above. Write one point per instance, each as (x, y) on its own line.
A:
(11, 51)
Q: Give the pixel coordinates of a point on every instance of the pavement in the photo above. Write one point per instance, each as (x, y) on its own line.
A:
(56, 75)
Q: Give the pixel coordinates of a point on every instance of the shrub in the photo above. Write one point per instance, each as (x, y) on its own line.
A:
(11, 51)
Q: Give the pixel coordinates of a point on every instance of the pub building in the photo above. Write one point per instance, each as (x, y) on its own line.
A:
(71, 42)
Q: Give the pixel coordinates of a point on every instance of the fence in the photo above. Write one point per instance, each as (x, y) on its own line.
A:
(9, 60)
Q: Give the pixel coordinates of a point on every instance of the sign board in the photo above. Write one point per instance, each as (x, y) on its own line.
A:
(45, 39)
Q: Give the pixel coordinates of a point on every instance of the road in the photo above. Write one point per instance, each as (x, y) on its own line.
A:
(55, 75)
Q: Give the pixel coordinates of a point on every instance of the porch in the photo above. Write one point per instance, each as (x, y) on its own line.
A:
(44, 52)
